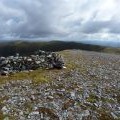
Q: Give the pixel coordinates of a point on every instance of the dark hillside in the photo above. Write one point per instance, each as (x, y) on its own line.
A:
(26, 48)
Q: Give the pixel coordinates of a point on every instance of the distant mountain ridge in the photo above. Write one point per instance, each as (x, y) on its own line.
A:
(106, 43)
(27, 48)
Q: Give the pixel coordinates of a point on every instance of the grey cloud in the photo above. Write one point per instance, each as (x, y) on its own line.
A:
(32, 18)
(52, 19)
(92, 27)
(115, 27)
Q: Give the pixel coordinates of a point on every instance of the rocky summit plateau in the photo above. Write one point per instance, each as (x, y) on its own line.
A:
(88, 89)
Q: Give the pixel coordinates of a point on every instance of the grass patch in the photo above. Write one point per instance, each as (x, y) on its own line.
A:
(92, 98)
(37, 76)
(107, 100)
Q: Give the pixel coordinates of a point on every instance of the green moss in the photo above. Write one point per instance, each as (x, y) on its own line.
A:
(92, 98)
(107, 100)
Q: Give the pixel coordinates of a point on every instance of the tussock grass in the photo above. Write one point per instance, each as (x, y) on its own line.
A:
(36, 76)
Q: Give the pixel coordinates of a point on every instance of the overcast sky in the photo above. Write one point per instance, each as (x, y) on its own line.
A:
(60, 19)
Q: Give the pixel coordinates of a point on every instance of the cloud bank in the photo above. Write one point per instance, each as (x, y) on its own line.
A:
(60, 19)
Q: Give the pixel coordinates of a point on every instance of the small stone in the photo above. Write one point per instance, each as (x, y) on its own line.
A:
(64, 67)
(72, 95)
(114, 116)
(34, 113)
(5, 110)
(50, 97)
(85, 113)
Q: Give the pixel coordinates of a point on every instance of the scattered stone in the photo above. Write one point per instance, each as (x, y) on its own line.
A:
(70, 95)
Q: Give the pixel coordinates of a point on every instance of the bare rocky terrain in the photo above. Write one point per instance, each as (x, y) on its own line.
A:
(88, 89)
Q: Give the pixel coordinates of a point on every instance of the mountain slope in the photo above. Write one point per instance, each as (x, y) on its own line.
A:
(27, 48)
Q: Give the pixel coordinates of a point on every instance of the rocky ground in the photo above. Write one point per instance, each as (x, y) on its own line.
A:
(88, 89)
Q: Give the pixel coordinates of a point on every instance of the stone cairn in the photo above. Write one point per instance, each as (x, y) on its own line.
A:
(41, 59)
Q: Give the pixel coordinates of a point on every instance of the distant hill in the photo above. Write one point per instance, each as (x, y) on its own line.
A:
(107, 43)
(26, 48)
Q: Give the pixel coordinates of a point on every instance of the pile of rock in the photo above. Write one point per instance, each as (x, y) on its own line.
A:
(41, 59)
